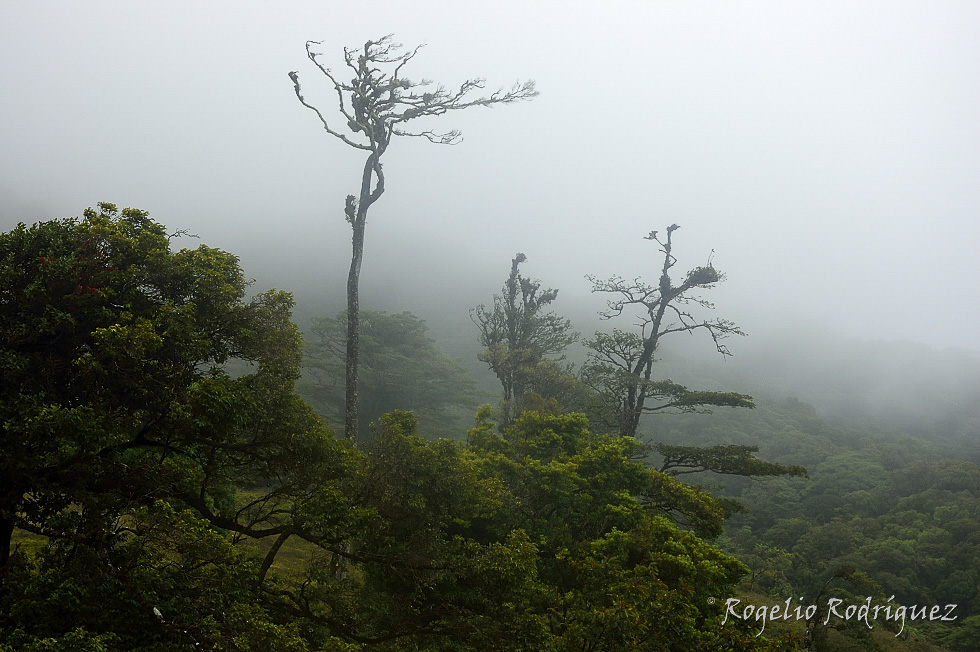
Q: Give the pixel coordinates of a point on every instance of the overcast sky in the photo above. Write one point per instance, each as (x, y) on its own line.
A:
(829, 152)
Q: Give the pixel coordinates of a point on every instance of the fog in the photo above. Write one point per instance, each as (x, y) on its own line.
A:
(829, 153)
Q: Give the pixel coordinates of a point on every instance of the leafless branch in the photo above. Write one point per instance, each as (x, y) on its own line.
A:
(662, 310)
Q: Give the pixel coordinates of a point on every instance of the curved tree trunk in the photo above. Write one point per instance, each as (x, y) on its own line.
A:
(357, 216)
(353, 333)
(6, 533)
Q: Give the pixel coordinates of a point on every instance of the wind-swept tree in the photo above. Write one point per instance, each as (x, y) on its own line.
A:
(376, 105)
(728, 459)
(620, 366)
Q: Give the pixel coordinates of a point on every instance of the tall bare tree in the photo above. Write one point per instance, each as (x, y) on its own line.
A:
(375, 106)
(620, 365)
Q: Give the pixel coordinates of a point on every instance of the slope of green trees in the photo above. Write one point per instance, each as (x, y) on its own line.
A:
(900, 510)
(152, 499)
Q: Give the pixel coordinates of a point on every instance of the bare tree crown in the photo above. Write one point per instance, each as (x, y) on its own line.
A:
(665, 305)
(379, 100)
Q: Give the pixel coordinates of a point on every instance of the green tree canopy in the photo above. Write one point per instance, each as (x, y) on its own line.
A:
(125, 439)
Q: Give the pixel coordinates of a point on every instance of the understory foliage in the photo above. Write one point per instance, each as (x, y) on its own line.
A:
(153, 500)
(400, 369)
(548, 537)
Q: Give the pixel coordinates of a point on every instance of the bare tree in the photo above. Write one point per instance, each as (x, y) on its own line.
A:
(376, 105)
(620, 365)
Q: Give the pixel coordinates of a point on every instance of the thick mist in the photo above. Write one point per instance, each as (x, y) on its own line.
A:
(828, 154)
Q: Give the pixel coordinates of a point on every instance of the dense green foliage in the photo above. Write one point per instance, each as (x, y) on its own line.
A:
(902, 512)
(124, 440)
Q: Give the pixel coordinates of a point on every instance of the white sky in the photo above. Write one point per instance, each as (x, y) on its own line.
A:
(829, 152)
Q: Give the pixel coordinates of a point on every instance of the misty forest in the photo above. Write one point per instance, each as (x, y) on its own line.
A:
(363, 426)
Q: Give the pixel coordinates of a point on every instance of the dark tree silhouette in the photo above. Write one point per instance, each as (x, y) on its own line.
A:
(620, 365)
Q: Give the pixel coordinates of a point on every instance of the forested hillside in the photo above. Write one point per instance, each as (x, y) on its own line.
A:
(895, 496)
(901, 511)
(165, 487)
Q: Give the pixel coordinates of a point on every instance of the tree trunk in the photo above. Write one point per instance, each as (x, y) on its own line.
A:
(6, 533)
(644, 362)
(353, 330)
(358, 219)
